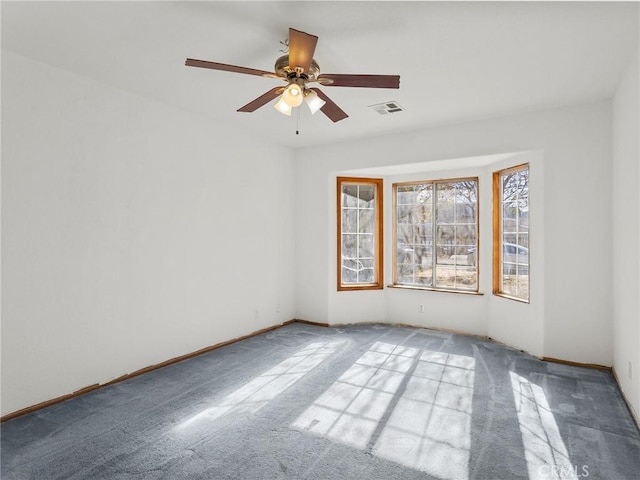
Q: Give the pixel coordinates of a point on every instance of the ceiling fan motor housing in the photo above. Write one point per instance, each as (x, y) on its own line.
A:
(283, 69)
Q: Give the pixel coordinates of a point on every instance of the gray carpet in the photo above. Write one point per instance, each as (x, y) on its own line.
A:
(357, 402)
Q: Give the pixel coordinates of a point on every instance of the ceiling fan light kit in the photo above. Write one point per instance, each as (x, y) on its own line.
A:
(313, 101)
(283, 107)
(292, 95)
(298, 69)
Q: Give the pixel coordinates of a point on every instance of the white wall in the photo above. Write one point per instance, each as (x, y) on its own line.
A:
(511, 322)
(626, 233)
(132, 233)
(571, 311)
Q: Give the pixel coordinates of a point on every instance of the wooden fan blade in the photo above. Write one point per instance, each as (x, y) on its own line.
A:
(191, 62)
(366, 81)
(262, 100)
(330, 109)
(301, 49)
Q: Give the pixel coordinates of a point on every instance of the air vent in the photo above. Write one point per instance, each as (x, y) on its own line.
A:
(387, 107)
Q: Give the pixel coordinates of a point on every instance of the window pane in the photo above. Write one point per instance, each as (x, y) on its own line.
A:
(446, 237)
(523, 239)
(366, 274)
(366, 220)
(349, 246)
(457, 277)
(516, 285)
(405, 274)
(406, 196)
(366, 193)
(466, 212)
(467, 278)
(349, 220)
(424, 277)
(349, 196)
(446, 192)
(445, 212)
(365, 246)
(349, 274)
(466, 236)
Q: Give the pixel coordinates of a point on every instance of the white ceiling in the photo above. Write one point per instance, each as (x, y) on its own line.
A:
(457, 61)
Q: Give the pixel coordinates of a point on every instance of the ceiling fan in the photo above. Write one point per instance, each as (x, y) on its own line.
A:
(298, 69)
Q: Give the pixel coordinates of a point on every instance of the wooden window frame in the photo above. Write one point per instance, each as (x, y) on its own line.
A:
(378, 234)
(475, 291)
(497, 235)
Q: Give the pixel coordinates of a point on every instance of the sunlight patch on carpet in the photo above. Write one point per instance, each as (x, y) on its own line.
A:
(545, 452)
(430, 428)
(254, 395)
(349, 410)
(402, 404)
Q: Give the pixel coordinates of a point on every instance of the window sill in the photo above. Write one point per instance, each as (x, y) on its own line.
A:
(509, 297)
(359, 288)
(430, 289)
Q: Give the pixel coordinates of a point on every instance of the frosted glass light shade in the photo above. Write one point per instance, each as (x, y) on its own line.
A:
(282, 107)
(313, 101)
(293, 95)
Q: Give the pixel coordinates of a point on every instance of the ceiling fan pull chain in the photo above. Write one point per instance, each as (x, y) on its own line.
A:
(298, 122)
